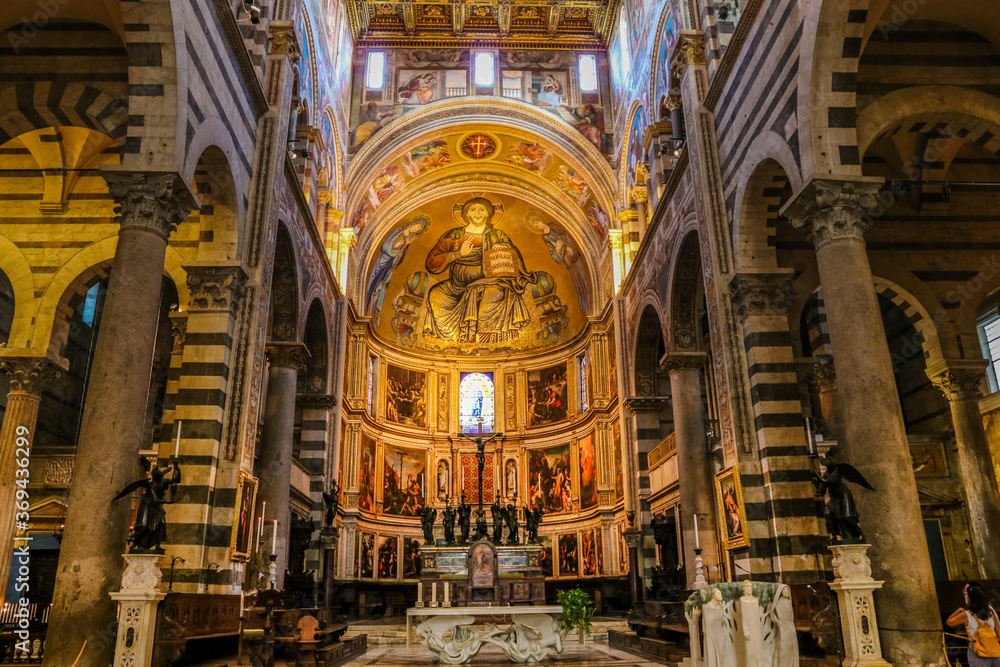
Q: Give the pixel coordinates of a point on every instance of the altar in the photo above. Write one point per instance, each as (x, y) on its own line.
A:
(481, 574)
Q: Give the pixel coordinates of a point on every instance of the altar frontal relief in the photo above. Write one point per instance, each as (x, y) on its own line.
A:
(476, 274)
(403, 481)
(549, 484)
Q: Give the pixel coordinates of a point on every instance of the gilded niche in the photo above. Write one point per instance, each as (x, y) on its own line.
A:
(483, 274)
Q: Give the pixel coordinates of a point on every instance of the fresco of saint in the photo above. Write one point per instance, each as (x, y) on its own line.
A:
(484, 293)
(392, 253)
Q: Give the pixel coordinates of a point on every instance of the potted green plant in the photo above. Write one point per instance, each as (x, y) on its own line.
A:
(577, 610)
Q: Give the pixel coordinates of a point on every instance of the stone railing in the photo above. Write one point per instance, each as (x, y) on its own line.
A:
(662, 460)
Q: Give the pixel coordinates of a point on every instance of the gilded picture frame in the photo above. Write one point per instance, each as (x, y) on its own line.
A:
(241, 543)
(732, 511)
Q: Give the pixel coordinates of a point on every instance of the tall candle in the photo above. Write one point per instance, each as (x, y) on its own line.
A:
(263, 509)
(274, 538)
(434, 593)
(809, 436)
(177, 445)
(446, 599)
(260, 529)
(697, 541)
(420, 591)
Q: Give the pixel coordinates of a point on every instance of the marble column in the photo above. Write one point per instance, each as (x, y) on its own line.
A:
(835, 214)
(693, 461)
(149, 205)
(959, 381)
(284, 362)
(634, 540)
(641, 198)
(28, 377)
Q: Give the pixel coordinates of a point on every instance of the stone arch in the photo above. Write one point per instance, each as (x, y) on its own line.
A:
(316, 336)
(767, 145)
(72, 280)
(755, 231)
(75, 105)
(14, 264)
(313, 93)
(336, 166)
(830, 49)
(657, 63)
(649, 347)
(915, 312)
(968, 113)
(284, 315)
(685, 291)
(624, 178)
(218, 220)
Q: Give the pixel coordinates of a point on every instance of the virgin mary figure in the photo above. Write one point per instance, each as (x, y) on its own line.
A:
(484, 291)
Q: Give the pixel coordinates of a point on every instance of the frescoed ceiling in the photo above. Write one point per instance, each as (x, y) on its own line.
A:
(582, 22)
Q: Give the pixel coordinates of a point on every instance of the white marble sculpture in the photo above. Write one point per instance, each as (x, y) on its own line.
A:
(737, 631)
(464, 643)
(530, 638)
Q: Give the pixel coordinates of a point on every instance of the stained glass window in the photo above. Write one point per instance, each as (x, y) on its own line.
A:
(584, 397)
(476, 402)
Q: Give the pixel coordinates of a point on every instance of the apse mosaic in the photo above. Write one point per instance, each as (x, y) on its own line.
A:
(547, 394)
(549, 485)
(403, 479)
(588, 473)
(417, 77)
(405, 396)
(478, 274)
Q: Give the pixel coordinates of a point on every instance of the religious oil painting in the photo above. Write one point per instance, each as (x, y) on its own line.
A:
(403, 481)
(549, 486)
(405, 397)
(547, 392)
(467, 276)
(366, 474)
(588, 554)
(546, 561)
(928, 459)
(622, 549)
(366, 549)
(569, 556)
(243, 522)
(387, 557)
(732, 513)
(599, 549)
(616, 437)
(476, 403)
(411, 558)
(588, 473)
(419, 87)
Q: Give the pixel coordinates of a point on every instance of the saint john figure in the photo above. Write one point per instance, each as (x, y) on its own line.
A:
(484, 291)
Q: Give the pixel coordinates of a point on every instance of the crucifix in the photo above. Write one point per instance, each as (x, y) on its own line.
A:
(481, 458)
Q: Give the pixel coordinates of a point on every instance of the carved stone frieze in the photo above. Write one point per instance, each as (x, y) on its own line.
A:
(289, 355)
(215, 287)
(958, 380)
(761, 294)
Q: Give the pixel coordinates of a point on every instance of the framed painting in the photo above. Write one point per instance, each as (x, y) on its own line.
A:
(547, 391)
(569, 560)
(403, 478)
(549, 485)
(405, 402)
(588, 473)
(242, 540)
(929, 459)
(387, 557)
(732, 513)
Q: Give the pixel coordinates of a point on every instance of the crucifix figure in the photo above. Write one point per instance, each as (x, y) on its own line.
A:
(481, 458)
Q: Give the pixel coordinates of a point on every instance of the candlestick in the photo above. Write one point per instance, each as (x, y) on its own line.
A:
(697, 540)
(274, 538)
(263, 509)
(177, 445)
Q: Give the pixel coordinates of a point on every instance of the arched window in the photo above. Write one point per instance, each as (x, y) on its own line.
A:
(989, 337)
(476, 403)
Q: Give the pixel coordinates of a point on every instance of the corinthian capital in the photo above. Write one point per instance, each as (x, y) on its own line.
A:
(29, 375)
(958, 379)
(289, 355)
(690, 50)
(155, 201)
(283, 40)
(215, 287)
(761, 293)
(834, 210)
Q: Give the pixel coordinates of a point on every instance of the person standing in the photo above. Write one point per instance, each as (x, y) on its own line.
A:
(981, 624)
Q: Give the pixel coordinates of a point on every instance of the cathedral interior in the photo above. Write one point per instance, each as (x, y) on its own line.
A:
(656, 296)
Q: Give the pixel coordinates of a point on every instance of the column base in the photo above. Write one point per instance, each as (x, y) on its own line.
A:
(855, 586)
(137, 603)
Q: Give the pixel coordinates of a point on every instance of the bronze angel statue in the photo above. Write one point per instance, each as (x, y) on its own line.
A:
(842, 520)
(151, 519)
